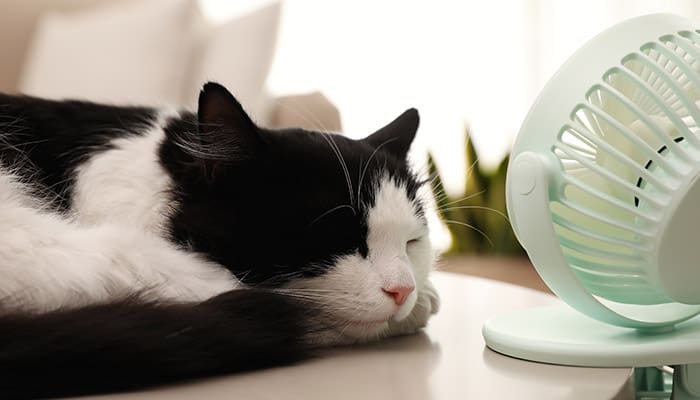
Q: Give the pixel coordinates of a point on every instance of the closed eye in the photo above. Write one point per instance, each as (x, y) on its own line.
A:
(412, 241)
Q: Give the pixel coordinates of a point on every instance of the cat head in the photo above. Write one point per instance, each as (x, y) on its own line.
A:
(317, 215)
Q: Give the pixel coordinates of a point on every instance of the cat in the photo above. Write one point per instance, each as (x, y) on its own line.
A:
(140, 246)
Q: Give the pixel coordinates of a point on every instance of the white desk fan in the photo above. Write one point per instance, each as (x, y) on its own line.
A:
(603, 194)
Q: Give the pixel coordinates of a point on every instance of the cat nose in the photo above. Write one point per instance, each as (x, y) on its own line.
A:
(399, 293)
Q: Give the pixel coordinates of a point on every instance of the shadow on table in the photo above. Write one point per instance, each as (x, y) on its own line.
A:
(397, 368)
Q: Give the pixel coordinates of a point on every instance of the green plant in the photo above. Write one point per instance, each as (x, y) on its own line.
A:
(477, 219)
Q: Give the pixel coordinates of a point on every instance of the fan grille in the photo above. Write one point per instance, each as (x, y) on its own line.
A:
(623, 153)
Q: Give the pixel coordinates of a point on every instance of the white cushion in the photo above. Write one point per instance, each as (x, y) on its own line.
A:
(127, 52)
(238, 54)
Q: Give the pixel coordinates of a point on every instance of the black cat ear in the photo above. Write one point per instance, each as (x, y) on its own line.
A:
(226, 132)
(397, 136)
(220, 112)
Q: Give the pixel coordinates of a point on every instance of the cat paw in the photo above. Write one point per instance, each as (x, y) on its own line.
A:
(427, 304)
(432, 295)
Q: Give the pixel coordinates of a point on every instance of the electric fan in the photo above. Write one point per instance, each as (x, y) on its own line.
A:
(603, 194)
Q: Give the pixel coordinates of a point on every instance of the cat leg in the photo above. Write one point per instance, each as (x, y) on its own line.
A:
(47, 262)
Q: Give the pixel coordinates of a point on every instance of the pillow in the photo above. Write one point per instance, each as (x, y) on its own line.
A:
(238, 54)
(126, 52)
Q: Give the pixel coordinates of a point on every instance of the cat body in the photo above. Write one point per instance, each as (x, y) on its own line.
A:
(141, 245)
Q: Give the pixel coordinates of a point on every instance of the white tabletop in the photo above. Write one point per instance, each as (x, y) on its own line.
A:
(448, 361)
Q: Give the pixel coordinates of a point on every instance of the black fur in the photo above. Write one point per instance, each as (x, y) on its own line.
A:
(44, 141)
(130, 344)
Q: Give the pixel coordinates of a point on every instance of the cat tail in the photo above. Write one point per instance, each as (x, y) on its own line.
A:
(132, 343)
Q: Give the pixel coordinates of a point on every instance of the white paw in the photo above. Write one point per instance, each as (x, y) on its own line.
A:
(433, 296)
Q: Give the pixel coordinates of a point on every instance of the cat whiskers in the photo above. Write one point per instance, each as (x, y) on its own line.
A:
(364, 170)
(337, 306)
(482, 233)
(336, 208)
(428, 181)
(306, 115)
(471, 168)
(334, 146)
(505, 217)
(341, 302)
(307, 294)
(443, 196)
(465, 198)
(349, 323)
(279, 279)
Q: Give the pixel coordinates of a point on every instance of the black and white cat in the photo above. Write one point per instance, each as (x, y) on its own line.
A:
(140, 246)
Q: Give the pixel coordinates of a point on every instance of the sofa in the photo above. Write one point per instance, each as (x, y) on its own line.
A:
(148, 51)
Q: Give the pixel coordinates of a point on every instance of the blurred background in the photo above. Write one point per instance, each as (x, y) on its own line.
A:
(348, 66)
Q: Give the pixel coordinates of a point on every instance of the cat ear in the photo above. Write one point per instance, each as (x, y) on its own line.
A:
(397, 136)
(221, 114)
(226, 132)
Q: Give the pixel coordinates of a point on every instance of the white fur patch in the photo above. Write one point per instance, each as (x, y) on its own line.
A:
(124, 185)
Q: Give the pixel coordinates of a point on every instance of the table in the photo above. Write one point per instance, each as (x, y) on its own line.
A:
(447, 361)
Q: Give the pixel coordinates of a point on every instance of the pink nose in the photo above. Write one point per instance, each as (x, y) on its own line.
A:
(399, 293)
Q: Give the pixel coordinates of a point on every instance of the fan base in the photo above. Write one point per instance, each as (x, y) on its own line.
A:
(561, 335)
